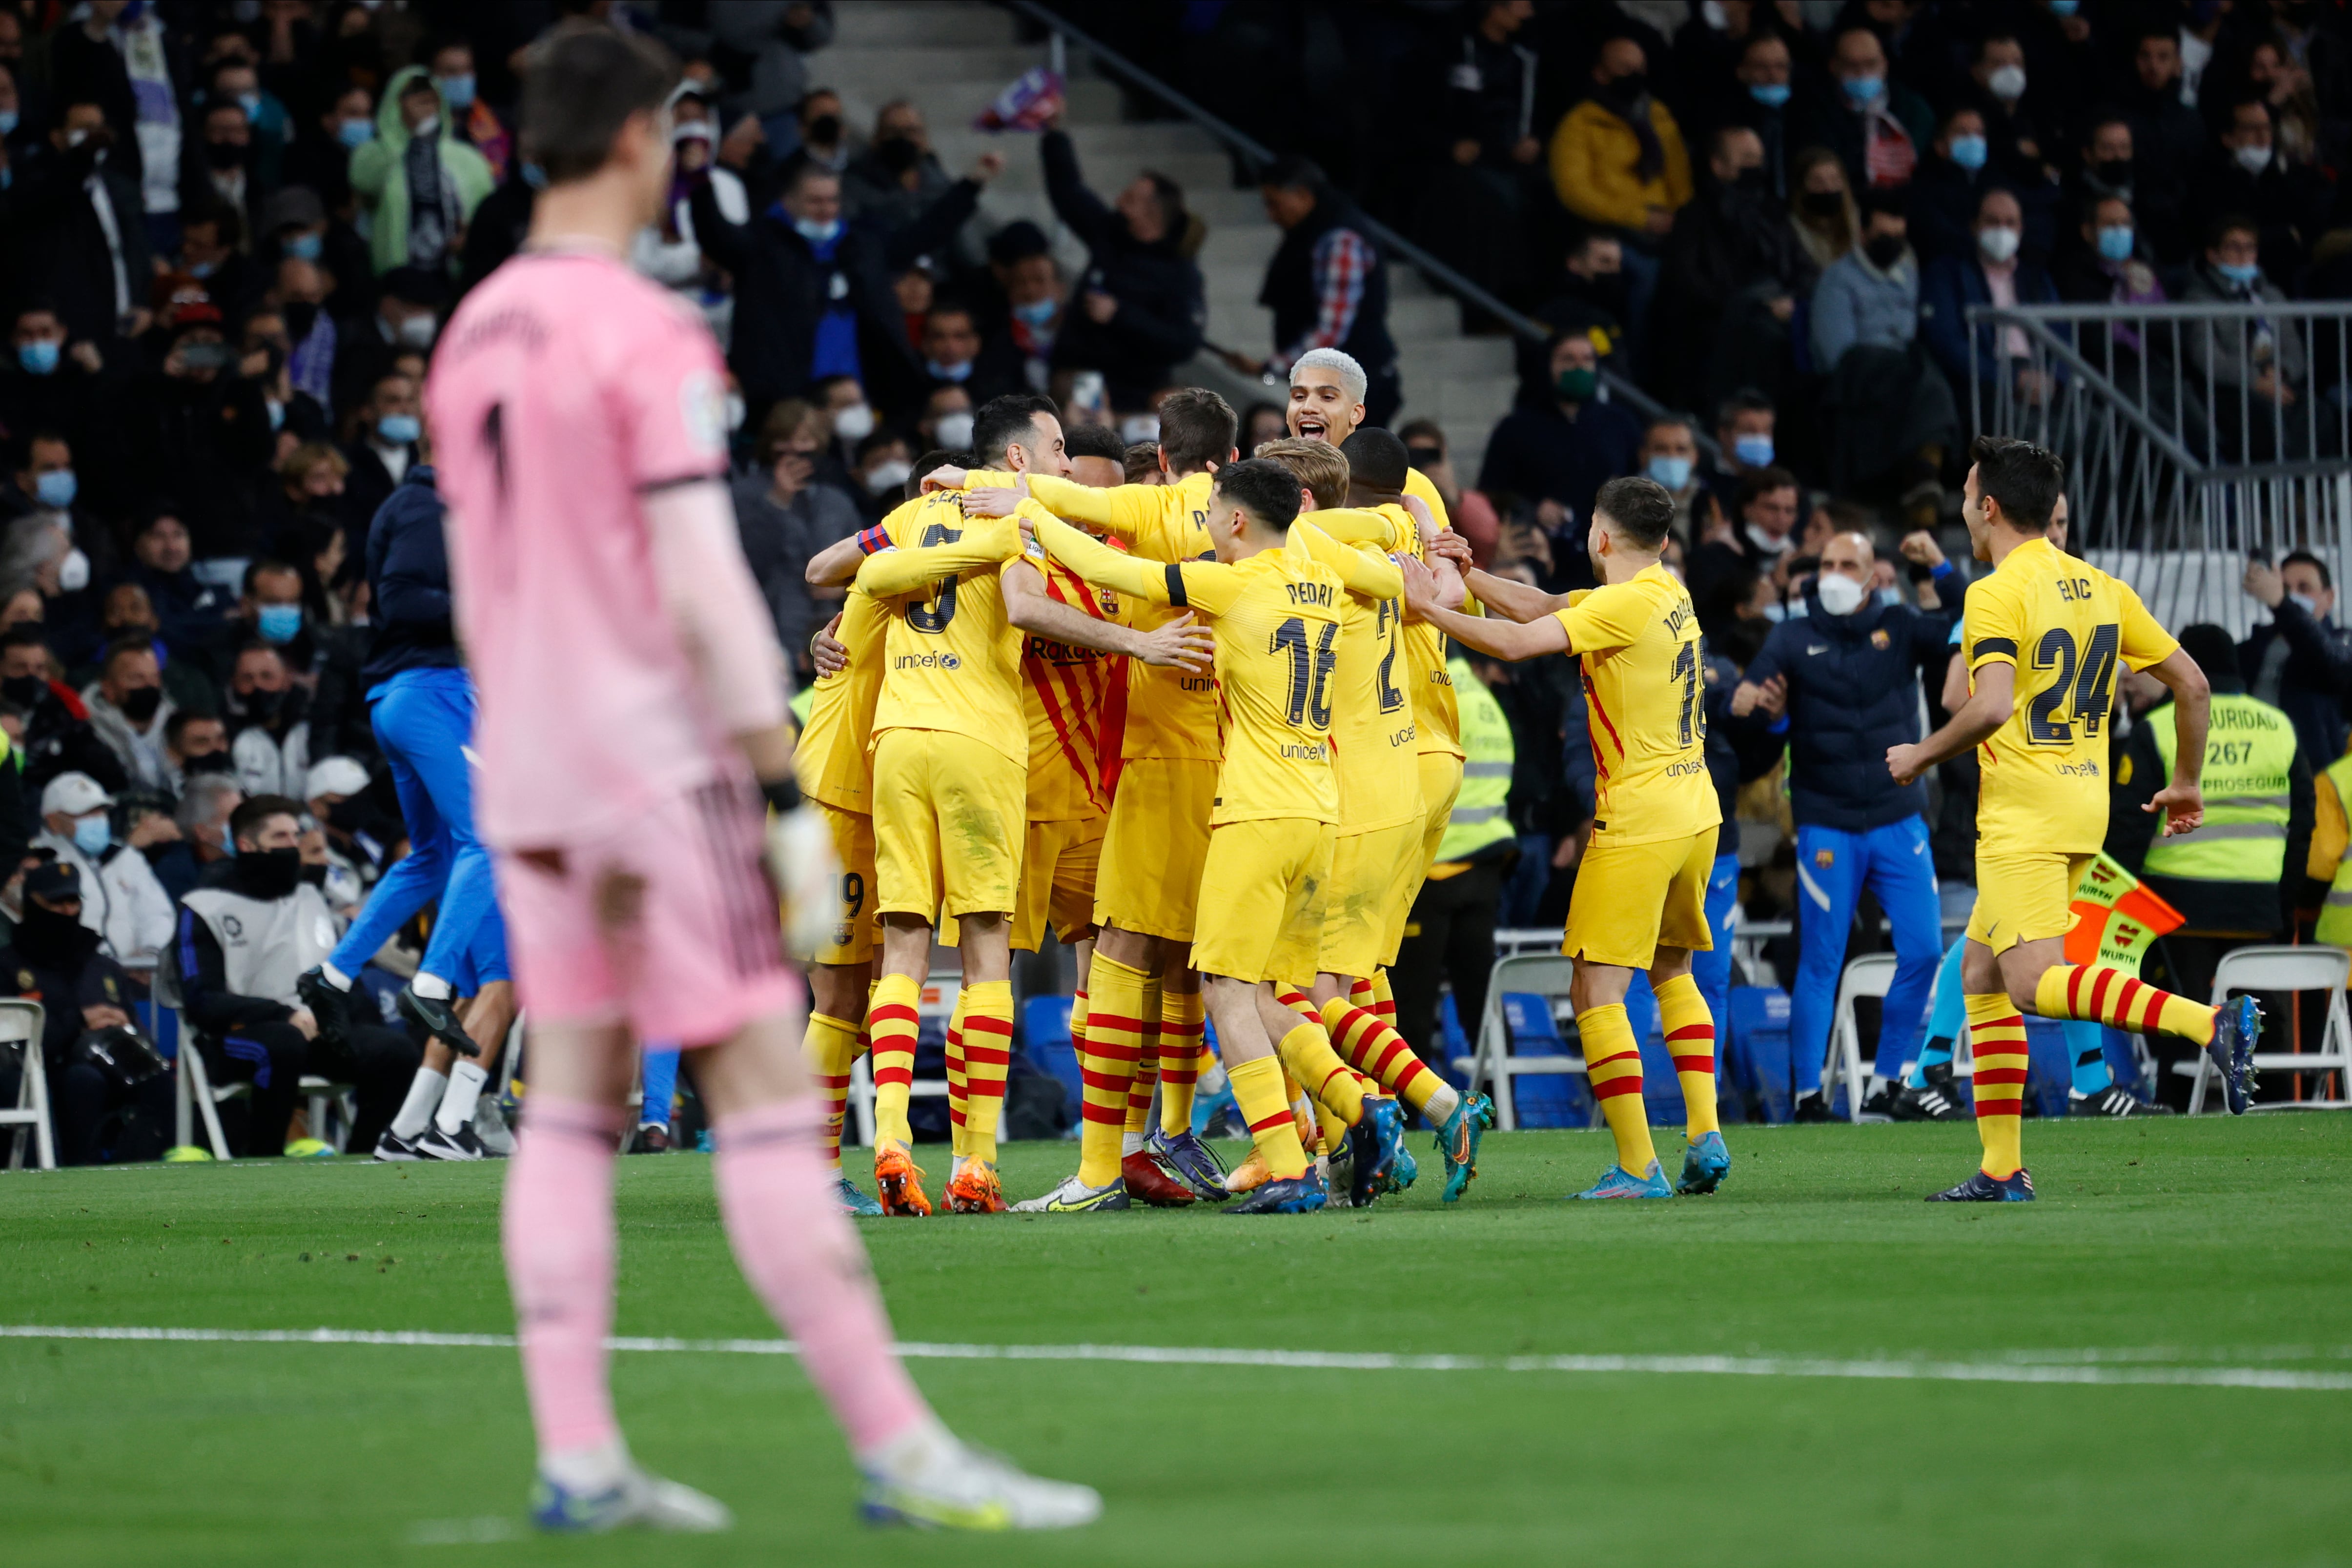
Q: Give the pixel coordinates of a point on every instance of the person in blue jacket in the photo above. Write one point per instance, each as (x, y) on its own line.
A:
(1848, 670)
(421, 703)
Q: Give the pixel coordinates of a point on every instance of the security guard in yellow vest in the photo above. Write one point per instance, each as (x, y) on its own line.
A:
(2230, 878)
(1450, 933)
(2330, 861)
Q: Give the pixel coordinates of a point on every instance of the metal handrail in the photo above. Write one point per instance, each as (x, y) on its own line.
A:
(2178, 309)
(1525, 326)
(2037, 327)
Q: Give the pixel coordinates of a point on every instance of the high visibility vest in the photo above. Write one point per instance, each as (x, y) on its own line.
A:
(1481, 815)
(2249, 761)
(2335, 915)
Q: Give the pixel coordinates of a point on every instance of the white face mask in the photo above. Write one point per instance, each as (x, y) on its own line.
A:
(953, 430)
(2253, 160)
(888, 476)
(854, 423)
(2008, 83)
(73, 572)
(1766, 543)
(1839, 594)
(2310, 605)
(1999, 244)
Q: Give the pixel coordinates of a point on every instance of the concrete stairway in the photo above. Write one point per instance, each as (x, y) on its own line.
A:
(952, 57)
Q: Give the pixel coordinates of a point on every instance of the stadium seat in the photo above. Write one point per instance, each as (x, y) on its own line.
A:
(2286, 969)
(1491, 1066)
(193, 1091)
(1046, 1036)
(1756, 1052)
(20, 1025)
(1869, 976)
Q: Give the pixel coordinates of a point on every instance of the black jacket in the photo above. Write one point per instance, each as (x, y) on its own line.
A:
(408, 583)
(1162, 307)
(781, 290)
(1854, 691)
(1538, 452)
(2313, 679)
(66, 256)
(1289, 289)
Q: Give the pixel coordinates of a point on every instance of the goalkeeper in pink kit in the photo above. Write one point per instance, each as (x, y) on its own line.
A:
(632, 720)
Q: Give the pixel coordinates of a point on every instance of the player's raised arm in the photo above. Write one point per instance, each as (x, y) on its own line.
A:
(1180, 643)
(2182, 801)
(891, 573)
(1508, 640)
(1372, 576)
(1098, 563)
(1513, 601)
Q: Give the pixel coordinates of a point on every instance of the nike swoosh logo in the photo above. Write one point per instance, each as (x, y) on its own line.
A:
(1818, 648)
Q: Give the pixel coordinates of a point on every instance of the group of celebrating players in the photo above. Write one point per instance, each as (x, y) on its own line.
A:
(1016, 726)
(1217, 744)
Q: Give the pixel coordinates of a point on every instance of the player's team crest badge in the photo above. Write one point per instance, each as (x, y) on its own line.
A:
(841, 935)
(1879, 638)
(1825, 858)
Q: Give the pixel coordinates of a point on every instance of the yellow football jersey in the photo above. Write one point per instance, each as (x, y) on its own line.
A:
(1169, 712)
(1372, 735)
(1277, 626)
(1437, 717)
(1416, 482)
(952, 658)
(1645, 697)
(2063, 623)
(830, 760)
(1077, 700)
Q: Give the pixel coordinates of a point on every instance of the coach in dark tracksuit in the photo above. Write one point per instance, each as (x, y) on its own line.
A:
(1852, 678)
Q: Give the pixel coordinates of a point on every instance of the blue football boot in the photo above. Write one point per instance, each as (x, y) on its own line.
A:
(1982, 1188)
(1704, 1164)
(1195, 1164)
(1618, 1182)
(1373, 1142)
(1457, 1142)
(2237, 1027)
(855, 1202)
(1296, 1195)
(1407, 1172)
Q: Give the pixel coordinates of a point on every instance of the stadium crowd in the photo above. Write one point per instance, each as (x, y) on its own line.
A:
(229, 235)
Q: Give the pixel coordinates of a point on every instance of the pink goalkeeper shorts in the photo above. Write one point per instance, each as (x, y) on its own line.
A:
(670, 925)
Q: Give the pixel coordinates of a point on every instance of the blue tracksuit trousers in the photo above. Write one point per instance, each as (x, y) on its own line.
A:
(1833, 868)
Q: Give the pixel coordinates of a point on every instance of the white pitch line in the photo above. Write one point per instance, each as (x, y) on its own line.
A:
(2087, 1367)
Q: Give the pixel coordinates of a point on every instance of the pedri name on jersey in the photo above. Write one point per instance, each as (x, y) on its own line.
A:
(1317, 594)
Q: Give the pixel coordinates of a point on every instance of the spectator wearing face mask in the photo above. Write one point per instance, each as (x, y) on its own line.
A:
(1891, 416)
(884, 460)
(1139, 310)
(219, 179)
(1761, 93)
(404, 319)
(269, 716)
(94, 1070)
(122, 901)
(1020, 352)
(417, 181)
(130, 711)
(2301, 659)
(1822, 208)
(200, 431)
(785, 517)
(898, 175)
(814, 297)
(241, 940)
(320, 157)
(48, 487)
(1670, 455)
(86, 248)
(1994, 275)
(58, 735)
(2105, 169)
(1745, 428)
(1877, 127)
(1589, 295)
(1940, 205)
(1560, 445)
(1618, 161)
(2021, 134)
(358, 837)
(128, 615)
(49, 383)
(312, 482)
(1845, 667)
(471, 120)
(311, 330)
(2245, 177)
(946, 422)
(1758, 534)
(1734, 273)
(196, 741)
(390, 427)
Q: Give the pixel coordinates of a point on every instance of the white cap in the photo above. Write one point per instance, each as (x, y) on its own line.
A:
(74, 794)
(334, 775)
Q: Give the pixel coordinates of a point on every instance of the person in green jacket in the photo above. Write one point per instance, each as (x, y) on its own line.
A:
(417, 183)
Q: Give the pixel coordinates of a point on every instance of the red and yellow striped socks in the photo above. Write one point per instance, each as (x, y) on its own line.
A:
(1372, 1047)
(1690, 1038)
(1613, 1065)
(1181, 1057)
(1307, 1055)
(1259, 1091)
(1997, 1036)
(1113, 1040)
(831, 1047)
(959, 1143)
(987, 1057)
(892, 1022)
(2094, 992)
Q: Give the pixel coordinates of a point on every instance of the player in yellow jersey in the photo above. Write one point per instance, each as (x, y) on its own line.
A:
(1149, 877)
(1276, 613)
(1641, 895)
(950, 792)
(1326, 403)
(2043, 635)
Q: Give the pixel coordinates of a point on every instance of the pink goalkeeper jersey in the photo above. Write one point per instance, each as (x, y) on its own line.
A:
(565, 388)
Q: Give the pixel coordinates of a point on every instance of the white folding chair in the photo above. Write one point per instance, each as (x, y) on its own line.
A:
(194, 1093)
(20, 1024)
(2276, 969)
(1869, 976)
(1491, 1065)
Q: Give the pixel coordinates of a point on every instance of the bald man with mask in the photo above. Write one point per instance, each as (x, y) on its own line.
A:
(1846, 671)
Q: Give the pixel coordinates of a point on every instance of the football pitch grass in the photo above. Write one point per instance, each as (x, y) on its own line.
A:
(2152, 1364)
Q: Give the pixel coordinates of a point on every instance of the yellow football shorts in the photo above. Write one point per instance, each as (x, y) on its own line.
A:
(949, 815)
(2024, 895)
(1632, 898)
(1058, 866)
(1263, 889)
(856, 923)
(1441, 780)
(1356, 912)
(1150, 879)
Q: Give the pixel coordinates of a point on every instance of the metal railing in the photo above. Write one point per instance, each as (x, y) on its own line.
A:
(2195, 435)
(1065, 33)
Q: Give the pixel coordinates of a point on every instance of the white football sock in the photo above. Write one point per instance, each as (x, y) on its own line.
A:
(424, 1093)
(1444, 1100)
(1132, 1142)
(431, 987)
(465, 1080)
(335, 977)
(596, 1469)
(913, 1455)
